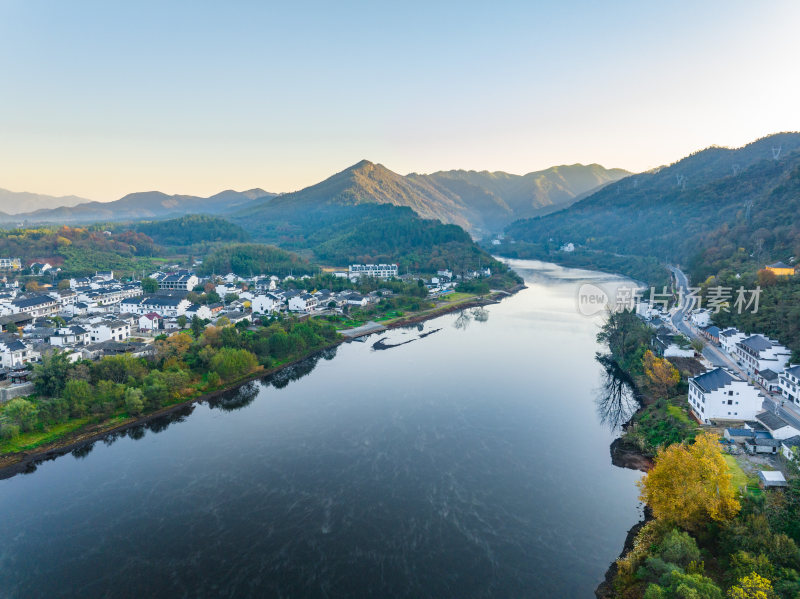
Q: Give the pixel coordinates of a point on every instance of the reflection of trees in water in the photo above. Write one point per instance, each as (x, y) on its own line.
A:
(462, 322)
(617, 400)
(236, 399)
(295, 372)
(478, 314)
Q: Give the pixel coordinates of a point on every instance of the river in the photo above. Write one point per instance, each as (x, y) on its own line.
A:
(464, 457)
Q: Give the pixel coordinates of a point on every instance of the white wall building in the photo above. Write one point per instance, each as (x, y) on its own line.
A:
(758, 353)
(729, 338)
(109, 330)
(303, 303)
(379, 271)
(789, 384)
(264, 304)
(701, 318)
(719, 395)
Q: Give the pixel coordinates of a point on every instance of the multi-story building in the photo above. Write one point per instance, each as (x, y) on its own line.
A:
(379, 271)
(789, 384)
(758, 353)
(720, 395)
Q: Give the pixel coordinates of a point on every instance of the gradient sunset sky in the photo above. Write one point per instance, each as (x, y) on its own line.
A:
(100, 99)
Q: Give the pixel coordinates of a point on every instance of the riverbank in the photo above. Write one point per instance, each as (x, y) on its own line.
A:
(26, 461)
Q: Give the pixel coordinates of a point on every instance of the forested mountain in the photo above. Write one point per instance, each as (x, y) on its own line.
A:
(16, 202)
(142, 205)
(479, 202)
(491, 200)
(715, 205)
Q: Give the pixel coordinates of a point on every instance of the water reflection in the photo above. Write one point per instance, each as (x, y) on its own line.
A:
(617, 400)
(479, 314)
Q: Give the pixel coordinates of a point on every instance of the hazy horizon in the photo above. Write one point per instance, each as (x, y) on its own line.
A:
(107, 100)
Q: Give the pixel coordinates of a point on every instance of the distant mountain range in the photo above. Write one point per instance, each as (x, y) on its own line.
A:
(16, 202)
(145, 205)
(479, 202)
(717, 206)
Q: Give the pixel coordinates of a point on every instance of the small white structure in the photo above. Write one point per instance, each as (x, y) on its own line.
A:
(720, 395)
(777, 426)
(701, 318)
(568, 247)
(770, 478)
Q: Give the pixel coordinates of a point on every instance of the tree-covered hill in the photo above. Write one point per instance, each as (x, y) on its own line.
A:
(248, 259)
(715, 205)
(191, 229)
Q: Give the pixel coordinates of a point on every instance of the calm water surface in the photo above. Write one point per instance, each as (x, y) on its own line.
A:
(467, 462)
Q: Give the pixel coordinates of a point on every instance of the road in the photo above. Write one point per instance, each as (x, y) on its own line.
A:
(772, 403)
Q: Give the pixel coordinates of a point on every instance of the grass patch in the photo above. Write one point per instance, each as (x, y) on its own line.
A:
(457, 297)
(740, 479)
(678, 413)
(34, 439)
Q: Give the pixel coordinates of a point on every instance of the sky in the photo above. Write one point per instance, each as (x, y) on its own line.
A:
(100, 99)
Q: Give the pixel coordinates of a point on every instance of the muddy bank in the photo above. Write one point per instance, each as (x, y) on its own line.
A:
(625, 456)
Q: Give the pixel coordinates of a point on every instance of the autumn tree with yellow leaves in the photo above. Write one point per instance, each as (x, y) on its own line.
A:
(690, 484)
(663, 376)
(751, 587)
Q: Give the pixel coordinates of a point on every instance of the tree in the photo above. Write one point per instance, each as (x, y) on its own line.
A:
(751, 587)
(182, 321)
(63, 284)
(197, 326)
(149, 285)
(229, 363)
(678, 585)
(766, 278)
(133, 401)
(50, 375)
(661, 373)
(174, 346)
(78, 394)
(12, 328)
(230, 297)
(690, 484)
(21, 413)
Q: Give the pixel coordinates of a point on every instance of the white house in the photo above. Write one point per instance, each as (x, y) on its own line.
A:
(14, 353)
(164, 305)
(720, 395)
(304, 302)
(379, 271)
(150, 322)
(201, 311)
(264, 304)
(701, 318)
(777, 426)
(36, 305)
(109, 330)
(10, 263)
(729, 338)
(758, 353)
(71, 335)
(789, 384)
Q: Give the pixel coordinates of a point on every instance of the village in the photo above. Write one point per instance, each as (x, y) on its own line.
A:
(750, 391)
(97, 316)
